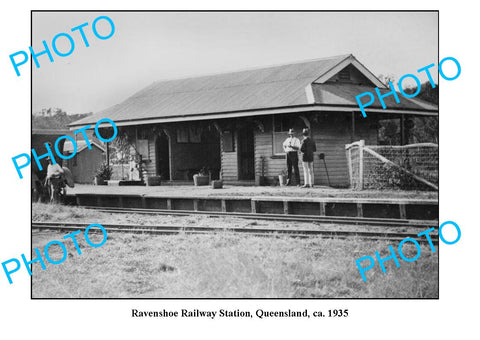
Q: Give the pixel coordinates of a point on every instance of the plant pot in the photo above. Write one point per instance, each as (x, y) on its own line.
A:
(154, 180)
(217, 184)
(282, 180)
(200, 180)
(99, 181)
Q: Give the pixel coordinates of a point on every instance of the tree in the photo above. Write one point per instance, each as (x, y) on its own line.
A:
(424, 130)
(386, 78)
(55, 118)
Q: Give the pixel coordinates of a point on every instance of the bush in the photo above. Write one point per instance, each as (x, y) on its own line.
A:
(104, 172)
(386, 176)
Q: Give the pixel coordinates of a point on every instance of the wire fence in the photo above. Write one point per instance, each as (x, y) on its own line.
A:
(407, 167)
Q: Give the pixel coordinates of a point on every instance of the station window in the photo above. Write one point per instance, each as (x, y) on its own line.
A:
(189, 134)
(182, 134)
(142, 148)
(228, 141)
(195, 134)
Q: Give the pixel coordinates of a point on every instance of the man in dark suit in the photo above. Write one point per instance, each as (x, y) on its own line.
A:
(307, 148)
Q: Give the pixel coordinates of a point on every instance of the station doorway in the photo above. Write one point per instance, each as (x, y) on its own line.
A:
(163, 157)
(246, 155)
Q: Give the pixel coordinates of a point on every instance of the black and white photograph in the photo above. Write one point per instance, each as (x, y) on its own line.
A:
(245, 155)
(239, 170)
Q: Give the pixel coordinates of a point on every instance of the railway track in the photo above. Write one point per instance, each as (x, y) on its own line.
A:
(385, 222)
(294, 232)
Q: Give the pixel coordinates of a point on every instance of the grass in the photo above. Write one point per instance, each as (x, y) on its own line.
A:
(220, 265)
(225, 265)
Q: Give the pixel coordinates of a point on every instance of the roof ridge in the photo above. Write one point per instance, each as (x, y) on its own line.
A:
(254, 68)
(223, 87)
(82, 144)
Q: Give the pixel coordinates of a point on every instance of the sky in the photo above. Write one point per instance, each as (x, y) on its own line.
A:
(153, 46)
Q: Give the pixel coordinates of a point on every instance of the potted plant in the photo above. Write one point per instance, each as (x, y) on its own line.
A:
(202, 178)
(218, 183)
(154, 180)
(282, 177)
(103, 174)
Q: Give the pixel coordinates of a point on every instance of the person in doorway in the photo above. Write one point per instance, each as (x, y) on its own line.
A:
(307, 148)
(134, 174)
(291, 145)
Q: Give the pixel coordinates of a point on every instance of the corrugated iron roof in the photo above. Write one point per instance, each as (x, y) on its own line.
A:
(254, 89)
(81, 145)
(51, 132)
(344, 94)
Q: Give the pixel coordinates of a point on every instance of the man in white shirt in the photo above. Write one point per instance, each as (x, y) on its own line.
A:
(291, 145)
(55, 180)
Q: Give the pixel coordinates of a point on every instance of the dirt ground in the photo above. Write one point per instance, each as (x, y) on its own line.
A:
(221, 264)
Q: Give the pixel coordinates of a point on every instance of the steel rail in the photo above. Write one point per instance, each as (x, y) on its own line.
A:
(386, 222)
(294, 232)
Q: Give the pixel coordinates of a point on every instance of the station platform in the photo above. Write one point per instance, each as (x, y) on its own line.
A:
(318, 201)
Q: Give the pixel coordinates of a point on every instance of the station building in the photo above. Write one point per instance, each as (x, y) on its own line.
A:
(86, 162)
(234, 124)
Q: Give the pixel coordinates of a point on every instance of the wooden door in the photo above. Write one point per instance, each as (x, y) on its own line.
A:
(163, 157)
(246, 155)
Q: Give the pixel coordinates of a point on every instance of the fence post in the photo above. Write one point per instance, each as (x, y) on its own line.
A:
(350, 170)
(361, 144)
